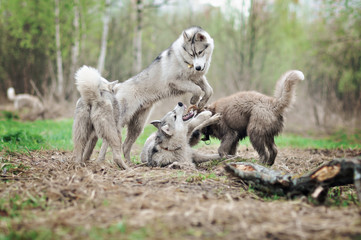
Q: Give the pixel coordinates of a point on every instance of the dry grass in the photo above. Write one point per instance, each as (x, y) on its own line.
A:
(100, 201)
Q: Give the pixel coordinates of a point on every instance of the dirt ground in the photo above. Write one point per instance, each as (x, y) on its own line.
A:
(160, 203)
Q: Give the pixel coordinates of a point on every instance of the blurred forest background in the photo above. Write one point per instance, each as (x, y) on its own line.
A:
(43, 43)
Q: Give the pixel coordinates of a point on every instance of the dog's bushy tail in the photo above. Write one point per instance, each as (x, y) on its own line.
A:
(285, 88)
(11, 94)
(88, 81)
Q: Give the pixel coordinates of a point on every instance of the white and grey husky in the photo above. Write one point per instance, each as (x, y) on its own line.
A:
(170, 146)
(22, 101)
(178, 70)
(97, 114)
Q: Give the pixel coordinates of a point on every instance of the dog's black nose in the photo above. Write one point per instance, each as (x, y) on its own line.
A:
(180, 104)
(198, 68)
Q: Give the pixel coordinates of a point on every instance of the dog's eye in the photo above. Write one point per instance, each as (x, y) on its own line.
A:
(175, 117)
(200, 52)
(187, 51)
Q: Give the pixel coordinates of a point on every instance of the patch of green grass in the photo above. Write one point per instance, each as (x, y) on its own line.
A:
(336, 140)
(18, 136)
(339, 139)
(7, 115)
(102, 233)
(41, 233)
(342, 196)
(201, 177)
(8, 167)
(11, 207)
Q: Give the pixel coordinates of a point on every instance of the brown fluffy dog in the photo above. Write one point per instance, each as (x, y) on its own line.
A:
(255, 115)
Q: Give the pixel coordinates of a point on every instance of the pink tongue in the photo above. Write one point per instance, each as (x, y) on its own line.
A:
(187, 116)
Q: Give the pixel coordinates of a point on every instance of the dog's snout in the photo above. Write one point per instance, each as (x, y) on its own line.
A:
(198, 68)
(180, 104)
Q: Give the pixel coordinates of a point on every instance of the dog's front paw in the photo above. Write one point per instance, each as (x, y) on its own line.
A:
(217, 116)
(175, 165)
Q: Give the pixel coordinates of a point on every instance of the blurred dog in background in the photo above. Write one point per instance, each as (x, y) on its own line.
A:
(25, 102)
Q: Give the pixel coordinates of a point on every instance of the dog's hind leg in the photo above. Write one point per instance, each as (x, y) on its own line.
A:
(258, 143)
(272, 149)
(103, 151)
(135, 128)
(113, 140)
(105, 128)
(90, 146)
(82, 129)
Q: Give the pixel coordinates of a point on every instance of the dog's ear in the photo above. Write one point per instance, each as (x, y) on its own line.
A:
(185, 36)
(156, 123)
(200, 37)
(112, 84)
(165, 129)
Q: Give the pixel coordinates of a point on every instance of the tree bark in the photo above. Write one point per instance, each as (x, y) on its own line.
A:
(103, 46)
(137, 40)
(59, 60)
(74, 51)
(337, 172)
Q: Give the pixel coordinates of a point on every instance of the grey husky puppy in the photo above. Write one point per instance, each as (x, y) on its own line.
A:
(169, 146)
(177, 70)
(96, 115)
(255, 115)
(22, 101)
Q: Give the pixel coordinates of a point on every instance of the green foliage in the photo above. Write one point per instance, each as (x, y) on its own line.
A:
(43, 134)
(8, 167)
(201, 177)
(8, 115)
(339, 139)
(342, 196)
(116, 229)
(12, 206)
(49, 134)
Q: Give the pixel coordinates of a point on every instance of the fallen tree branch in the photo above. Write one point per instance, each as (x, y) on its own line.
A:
(337, 172)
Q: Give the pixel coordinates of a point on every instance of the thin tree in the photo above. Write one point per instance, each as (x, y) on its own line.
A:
(59, 61)
(137, 40)
(74, 49)
(103, 46)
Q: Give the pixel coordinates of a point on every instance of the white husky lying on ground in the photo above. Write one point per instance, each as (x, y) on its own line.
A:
(169, 146)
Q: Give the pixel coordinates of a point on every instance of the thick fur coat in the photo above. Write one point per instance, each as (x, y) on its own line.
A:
(96, 116)
(169, 146)
(255, 115)
(178, 70)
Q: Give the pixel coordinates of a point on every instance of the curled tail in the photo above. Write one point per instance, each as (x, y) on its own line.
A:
(88, 81)
(11, 94)
(285, 88)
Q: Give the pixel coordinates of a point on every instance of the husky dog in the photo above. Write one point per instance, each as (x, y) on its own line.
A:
(255, 115)
(96, 115)
(178, 70)
(22, 101)
(169, 146)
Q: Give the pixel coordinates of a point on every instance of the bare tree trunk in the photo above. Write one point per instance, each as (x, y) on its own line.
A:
(59, 60)
(137, 40)
(252, 19)
(103, 47)
(74, 51)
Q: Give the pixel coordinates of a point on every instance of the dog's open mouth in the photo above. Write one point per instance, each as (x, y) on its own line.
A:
(189, 115)
(191, 112)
